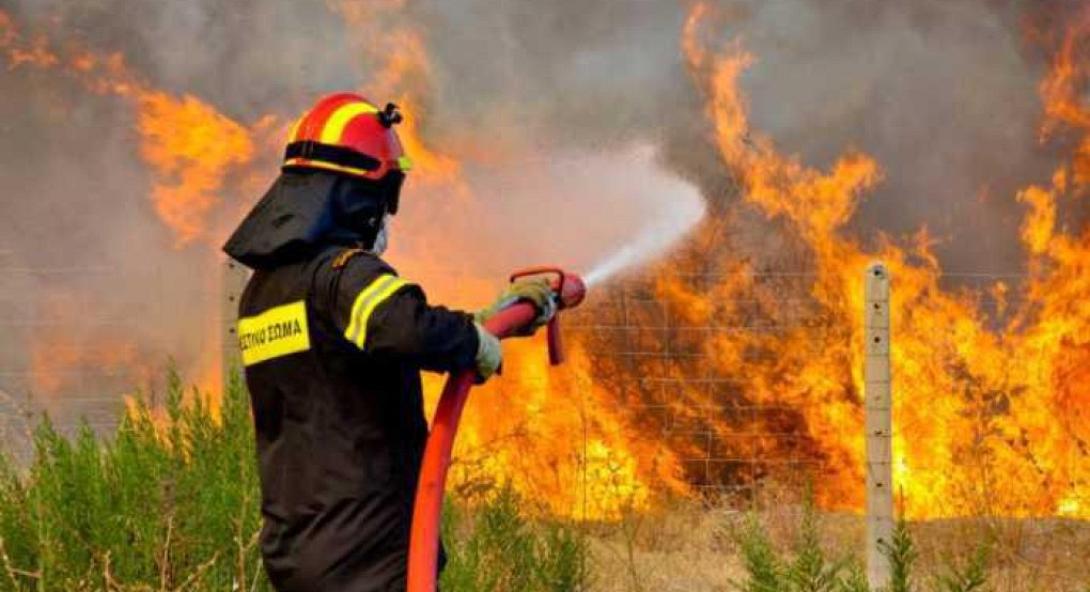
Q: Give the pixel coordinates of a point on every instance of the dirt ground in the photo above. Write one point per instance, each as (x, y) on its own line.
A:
(693, 547)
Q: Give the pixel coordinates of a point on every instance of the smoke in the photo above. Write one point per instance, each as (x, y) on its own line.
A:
(940, 93)
(544, 103)
(943, 94)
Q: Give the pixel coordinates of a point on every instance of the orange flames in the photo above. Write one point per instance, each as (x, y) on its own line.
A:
(985, 420)
(400, 72)
(190, 147)
(196, 156)
(990, 411)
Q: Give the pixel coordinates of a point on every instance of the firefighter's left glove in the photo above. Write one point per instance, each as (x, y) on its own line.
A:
(536, 291)
(489, 354)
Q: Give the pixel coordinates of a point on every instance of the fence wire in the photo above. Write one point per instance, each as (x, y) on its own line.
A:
(728, 429)
(729, 440)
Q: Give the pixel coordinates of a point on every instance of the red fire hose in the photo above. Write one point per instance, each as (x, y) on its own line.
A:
(424, 537)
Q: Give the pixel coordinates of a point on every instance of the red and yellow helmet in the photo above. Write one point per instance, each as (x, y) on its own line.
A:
(345, 133)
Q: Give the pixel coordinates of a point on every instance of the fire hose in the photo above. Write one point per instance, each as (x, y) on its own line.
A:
(568, 290)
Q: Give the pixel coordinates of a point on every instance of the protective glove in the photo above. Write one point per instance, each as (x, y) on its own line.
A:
(534, 290)
(489, 354)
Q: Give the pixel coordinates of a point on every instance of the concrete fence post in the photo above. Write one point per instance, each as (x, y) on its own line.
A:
(233, 281)
(878, 422)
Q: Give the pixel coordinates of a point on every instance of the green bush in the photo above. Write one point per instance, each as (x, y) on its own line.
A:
(902, 555)
(171, 502)
(807, 568)
(496, 549)
(167, 503)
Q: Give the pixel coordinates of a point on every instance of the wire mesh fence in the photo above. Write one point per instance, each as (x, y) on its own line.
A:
(717, 389)
(729, 439)
(764, 391)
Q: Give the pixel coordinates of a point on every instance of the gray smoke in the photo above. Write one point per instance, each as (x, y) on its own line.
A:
(942, 93)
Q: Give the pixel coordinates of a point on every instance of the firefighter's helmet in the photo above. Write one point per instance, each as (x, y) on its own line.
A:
(345, 133)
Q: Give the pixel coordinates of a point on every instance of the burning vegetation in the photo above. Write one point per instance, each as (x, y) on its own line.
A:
(991, 380)
(987, 415)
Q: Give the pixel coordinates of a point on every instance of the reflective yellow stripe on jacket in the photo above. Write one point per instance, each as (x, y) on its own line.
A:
(368, 299)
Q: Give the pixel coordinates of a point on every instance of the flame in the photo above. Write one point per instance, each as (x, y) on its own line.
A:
(1061, 91)
(558, 437)
(402, 74)
(193, 144)
(190, 147)
(986, 421)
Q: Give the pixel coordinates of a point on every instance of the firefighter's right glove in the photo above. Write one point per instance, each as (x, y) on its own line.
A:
(537, 291)
(489, 354)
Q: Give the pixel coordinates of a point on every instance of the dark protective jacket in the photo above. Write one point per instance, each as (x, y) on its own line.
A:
(333, 342)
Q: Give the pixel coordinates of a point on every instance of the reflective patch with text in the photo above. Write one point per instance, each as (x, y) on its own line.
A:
(277, 332)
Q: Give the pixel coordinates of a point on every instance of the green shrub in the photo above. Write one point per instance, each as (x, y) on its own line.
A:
(807, 568)
(762, 562)
(166, 503)
(901, 553)
(496, 549)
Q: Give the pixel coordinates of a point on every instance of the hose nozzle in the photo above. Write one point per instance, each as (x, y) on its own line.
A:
(569, 291)
(568, 287)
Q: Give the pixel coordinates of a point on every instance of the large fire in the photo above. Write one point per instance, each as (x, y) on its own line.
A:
(985, 420)
(990, 414)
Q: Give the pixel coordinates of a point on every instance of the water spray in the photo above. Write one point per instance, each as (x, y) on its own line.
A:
(625, 257)
(652, 241)
(569, 291)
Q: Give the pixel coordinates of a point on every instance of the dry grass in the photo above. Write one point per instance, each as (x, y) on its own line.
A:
(685, 547)
(693, 546)
(1027, 555)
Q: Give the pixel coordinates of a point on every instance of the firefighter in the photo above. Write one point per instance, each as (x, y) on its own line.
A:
(333, 341)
